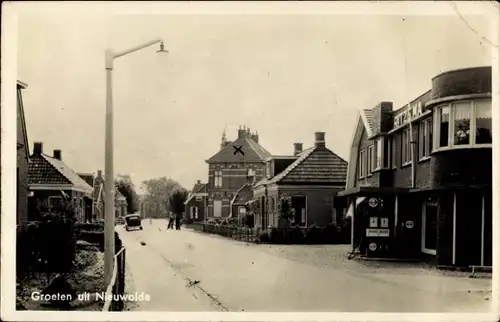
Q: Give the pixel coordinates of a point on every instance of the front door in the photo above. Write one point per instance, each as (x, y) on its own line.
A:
(217, 208)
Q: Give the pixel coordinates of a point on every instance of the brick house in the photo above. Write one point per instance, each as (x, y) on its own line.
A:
(50, 180)
(235, 164)
(22, 158)
(238, 204)
(311, 177)
(98, 200)
(431, 163)
(196, 203)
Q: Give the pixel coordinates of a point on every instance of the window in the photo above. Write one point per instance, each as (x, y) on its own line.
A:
(194, 212)
(198, 198)
(483, 122)
(379, 152)
(462, 124)
(405, 147)
(424, 138)
(242, 210)
(394, 144)
(444, 125)
(268, 170)
(54, 201)
(217, 179)
(362, 163)
(370, 160)
(462, 117)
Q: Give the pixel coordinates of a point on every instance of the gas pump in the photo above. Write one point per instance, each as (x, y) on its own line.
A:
(375, 228)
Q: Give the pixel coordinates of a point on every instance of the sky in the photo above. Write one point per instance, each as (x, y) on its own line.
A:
(285, 76)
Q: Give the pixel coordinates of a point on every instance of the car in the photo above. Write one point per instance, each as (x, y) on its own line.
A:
(133, 222)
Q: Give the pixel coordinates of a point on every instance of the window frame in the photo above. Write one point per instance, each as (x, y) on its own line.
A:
(394, 149)
(217, 178)
(361, 163)
(436, 127)
(425, 142)
(406, 157)
(369, 159)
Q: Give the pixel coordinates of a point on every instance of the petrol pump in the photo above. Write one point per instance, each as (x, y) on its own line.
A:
(375, 231)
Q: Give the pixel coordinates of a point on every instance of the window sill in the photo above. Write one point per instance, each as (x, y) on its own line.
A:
(462, 147)
(426, 158)
(407, 164)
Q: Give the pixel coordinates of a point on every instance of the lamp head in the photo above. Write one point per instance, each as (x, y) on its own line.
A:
(162, 49)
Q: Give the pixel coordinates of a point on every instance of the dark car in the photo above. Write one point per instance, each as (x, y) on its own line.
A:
(133, 222)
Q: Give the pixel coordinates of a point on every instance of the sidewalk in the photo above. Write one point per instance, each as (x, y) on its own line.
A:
(151, 275)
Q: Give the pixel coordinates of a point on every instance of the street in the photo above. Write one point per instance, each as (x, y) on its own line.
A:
(191, 271)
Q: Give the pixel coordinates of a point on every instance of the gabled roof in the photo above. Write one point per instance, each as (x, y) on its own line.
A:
(240, 197)
(22, 118)
(313, 165)
(253, 152)
(367, 118)
(198, 188)
(46, 170)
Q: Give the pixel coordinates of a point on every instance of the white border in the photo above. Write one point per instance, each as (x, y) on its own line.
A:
(9, 79)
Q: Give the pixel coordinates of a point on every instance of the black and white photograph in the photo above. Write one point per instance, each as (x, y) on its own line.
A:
(251, 161)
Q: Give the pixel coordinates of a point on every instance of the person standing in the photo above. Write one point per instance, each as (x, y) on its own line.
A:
(170, 222)
(177, 222)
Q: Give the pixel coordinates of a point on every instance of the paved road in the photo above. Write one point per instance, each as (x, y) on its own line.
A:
(235, 276)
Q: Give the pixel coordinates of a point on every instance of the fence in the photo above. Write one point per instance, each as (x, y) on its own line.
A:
(293, 235)
(116, 288)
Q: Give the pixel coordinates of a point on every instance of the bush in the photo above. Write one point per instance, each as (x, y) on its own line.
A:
(264, 237)
(330, 234)
(295, 236)
(314, 235)
(276, 236)
(48, 245)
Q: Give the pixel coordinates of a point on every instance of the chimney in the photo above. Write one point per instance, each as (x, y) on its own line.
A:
(249, 134)
(99, 173)
(319, 139)
(198, 181)
(297, 148)
(57, 154)
(242, 132)
(255, 137)
(38, 148)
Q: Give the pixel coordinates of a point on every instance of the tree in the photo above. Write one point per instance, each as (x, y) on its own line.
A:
(126, 187)
(285, 209)
(157, 190)
(176, 201)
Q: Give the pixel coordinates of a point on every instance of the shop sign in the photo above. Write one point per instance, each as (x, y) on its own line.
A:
(373, 202)
(409, 224)
(372, 246)
(412, 111)
(377, 232)
(384, 222)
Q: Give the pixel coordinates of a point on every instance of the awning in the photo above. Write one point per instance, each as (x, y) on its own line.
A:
(371, 191)
(350, 211)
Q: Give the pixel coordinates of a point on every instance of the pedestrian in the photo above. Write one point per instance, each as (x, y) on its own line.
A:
(177, 222)
(170, 223)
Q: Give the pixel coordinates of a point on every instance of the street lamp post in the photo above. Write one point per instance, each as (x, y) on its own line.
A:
(109, 212)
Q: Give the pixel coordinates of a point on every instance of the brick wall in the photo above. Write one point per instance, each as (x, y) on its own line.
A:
(320, 207)
(462, 81)
(234, 176)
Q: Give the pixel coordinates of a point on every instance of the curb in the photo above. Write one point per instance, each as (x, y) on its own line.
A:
(382, 259)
